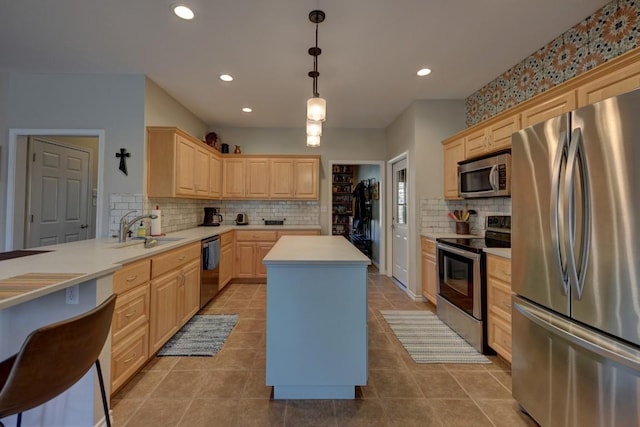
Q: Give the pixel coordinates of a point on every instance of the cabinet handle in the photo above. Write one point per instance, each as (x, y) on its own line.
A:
(131, 278)
(506, 273)
(130, 314)
(131, 358)
(182, 258)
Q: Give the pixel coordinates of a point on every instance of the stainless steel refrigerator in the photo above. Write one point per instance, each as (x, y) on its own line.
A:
(576, 266)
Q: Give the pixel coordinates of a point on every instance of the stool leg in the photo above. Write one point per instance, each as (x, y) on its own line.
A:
(104, 394)
(19, 422)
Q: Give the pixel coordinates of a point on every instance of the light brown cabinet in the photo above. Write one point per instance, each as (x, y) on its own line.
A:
(179, 165)
(130, 324)
(233, 174)
(226, 259)
(306, 178)
(257, 178)
(491, 138)
(549, 108)
(215, 176)
(175, 292)
(429, 279)
(622, 79)
(453, 153)
(499, 305)
(281, 178)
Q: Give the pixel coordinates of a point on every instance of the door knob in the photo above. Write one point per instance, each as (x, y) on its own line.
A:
(84, 226)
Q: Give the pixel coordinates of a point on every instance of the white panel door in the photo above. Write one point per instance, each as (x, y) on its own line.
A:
(58, 210)
(400, 244)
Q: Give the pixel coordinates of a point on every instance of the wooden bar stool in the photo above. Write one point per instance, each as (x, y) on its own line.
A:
(52, 359)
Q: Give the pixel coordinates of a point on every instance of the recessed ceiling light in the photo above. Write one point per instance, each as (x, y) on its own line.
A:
(183, 12)
(246, 109)
(226, 77)
(423, 72)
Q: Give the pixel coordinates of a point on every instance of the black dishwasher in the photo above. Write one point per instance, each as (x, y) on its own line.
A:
(209, 269)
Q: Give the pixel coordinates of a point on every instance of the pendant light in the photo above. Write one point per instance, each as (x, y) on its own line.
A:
(313, 140)
(316, 106)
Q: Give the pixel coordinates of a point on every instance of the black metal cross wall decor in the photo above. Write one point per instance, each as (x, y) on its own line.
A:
(123, 155)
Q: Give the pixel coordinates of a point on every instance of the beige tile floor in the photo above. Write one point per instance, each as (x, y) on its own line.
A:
(228, 389)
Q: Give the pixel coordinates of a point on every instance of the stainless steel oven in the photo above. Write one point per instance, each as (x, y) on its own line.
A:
(461, 292)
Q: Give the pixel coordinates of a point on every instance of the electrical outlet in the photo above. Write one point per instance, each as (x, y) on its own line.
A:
(73, 294)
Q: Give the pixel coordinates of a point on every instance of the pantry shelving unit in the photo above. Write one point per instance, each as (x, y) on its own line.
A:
(342, 199)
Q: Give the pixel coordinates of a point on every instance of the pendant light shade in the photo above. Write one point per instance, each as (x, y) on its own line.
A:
(314, 127)
(317, 109)
(313, 140)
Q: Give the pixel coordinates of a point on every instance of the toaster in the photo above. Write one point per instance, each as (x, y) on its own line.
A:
(242, 219)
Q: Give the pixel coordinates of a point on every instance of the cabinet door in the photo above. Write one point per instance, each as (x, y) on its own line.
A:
(500, 133)
(262, 249)
(226, 265)
(550, 108)
(614, 83)
(201, 172)
(257, 178)
(475, 144)
(245, 260)
(215, 176)
(188, 292)
(281, 178)
(306, 178)
(453, 153)
(164, 313)
(185, 166)
(432, 279)
(233, 178)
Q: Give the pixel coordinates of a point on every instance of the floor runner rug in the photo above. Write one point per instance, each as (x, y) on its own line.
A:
(428, 340)
(203, 335)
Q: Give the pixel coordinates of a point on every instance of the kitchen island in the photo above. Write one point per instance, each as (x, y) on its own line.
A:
(316, 318)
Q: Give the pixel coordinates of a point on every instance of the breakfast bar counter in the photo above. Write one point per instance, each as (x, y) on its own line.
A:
(316, 318)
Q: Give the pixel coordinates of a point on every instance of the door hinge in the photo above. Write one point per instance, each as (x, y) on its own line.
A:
(32, 218)
(34, 158)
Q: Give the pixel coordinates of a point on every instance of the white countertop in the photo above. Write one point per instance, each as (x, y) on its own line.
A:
(99, 257)
(314, 249)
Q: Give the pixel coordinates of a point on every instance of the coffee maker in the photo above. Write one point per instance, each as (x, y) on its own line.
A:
(212, 217)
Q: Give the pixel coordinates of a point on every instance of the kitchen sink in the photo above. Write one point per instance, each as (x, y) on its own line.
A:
(152, 242)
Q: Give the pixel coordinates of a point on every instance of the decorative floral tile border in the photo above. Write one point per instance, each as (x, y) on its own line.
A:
(600, 37)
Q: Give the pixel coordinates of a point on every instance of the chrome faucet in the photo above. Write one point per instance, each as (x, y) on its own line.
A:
(124, 225)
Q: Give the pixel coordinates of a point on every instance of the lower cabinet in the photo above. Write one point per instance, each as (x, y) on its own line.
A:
(429, 279)
(130, 324)
(226, 259)
(175, 292)
(499, 305)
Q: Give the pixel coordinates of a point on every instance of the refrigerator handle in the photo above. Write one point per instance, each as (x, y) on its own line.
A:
(576, 159)
(613, 353)
(554, 212)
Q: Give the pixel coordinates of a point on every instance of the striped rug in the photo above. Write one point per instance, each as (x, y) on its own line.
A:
(203, 335)
(428, 339)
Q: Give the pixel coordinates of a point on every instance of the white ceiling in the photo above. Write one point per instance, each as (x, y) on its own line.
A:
(371, 50)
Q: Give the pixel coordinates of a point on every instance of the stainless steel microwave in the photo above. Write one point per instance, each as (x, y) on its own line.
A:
(486, 176)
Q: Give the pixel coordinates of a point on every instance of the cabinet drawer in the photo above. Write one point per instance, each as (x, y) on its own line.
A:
(168, 261)
(131, 275)
(131, 311)
(428, 245)
(499, 300)
(500, 268)
(127, 357)
(226, 238)
(255, 236)
(500, 337)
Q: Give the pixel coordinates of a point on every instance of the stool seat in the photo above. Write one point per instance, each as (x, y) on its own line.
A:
(53, 358)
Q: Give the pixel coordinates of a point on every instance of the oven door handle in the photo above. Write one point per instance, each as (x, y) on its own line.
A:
(457, 251)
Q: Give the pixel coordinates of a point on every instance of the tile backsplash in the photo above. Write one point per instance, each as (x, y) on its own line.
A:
(433, 213)
(181, 214)
(609, 32)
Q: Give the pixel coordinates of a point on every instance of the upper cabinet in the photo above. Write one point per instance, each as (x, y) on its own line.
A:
(491, 138)
(552, 107)
(272, 177)
(453, 153)
(617, 81)
(179, 165)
